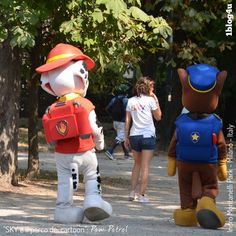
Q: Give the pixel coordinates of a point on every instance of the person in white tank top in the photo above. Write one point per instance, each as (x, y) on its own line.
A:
(141, 109)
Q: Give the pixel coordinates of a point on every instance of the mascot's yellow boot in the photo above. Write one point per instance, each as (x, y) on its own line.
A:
(185, 217)
(208, 215)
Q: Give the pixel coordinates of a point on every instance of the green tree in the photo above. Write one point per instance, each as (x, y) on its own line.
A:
(113, 32)
(25, 32)
(9, 109)
(16, 35)
(10, 30)
(198, 37)
(50, 15)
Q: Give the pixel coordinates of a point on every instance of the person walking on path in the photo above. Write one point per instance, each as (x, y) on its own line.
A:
(116, 108)
(140, 110)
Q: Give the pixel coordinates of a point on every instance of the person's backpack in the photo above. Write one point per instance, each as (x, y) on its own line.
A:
(117, 110)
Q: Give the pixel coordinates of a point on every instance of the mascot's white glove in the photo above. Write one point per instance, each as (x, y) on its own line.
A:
(98, 136)
(99, 139)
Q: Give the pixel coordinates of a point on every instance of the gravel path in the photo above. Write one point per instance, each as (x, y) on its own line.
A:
(28, 209)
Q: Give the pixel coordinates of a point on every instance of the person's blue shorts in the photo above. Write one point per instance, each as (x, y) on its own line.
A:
(139, 143)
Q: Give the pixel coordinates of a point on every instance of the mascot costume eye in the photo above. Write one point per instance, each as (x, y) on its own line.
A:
(198, 148)
(71, 124)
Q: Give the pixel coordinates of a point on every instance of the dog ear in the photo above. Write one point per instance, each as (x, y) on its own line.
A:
(221, 77)
(183, 76)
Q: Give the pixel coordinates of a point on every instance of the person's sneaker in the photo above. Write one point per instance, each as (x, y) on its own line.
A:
(109, 155)
(127, 157)
(143, 199)
(131, 196)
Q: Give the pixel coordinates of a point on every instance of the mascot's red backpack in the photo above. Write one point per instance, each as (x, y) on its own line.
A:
(65, 120)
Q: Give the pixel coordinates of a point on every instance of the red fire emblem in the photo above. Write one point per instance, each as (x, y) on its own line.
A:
(62, 127)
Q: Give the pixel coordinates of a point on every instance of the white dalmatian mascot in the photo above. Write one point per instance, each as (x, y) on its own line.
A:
(70, 123)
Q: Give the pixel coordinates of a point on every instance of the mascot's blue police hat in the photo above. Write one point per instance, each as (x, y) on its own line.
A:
(202, 77)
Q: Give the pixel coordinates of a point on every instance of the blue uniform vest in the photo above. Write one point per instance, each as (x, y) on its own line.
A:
(195, 138)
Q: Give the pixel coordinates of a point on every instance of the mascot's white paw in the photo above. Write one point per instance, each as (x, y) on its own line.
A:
(95, 208)
(68, 215)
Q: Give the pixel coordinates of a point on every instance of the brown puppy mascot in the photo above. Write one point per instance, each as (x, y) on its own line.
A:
(198, 148)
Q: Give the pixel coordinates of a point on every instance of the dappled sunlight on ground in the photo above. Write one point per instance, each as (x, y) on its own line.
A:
(30, 207)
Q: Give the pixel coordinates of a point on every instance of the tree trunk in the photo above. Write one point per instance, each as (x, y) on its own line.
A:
(171, 110)
(9, 112)
(149, 65)
(33, 155)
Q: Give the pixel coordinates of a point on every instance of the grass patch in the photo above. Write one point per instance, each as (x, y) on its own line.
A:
(115, 181)
(23, 140)
(43, 175)
(49, 176)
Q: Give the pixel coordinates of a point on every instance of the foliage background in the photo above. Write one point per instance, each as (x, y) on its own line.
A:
(155, 37)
